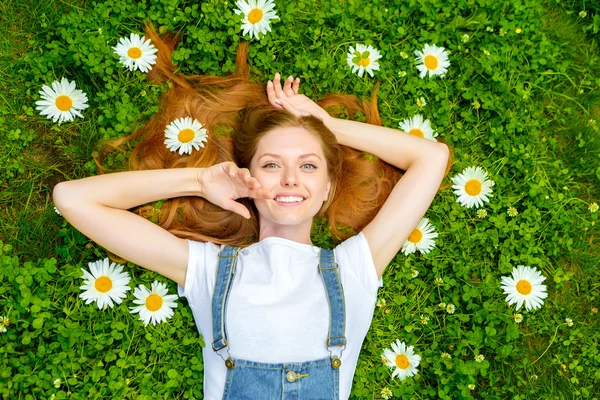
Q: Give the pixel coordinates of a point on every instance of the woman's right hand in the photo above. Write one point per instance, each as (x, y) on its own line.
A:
(225, 182)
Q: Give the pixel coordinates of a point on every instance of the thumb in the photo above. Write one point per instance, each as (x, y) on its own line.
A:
(239, 209)
(287, 106)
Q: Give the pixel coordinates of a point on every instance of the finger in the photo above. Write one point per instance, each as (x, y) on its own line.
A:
(271, 91)
(253, 184)
(231, 169)
(287, 86)
(277, 86)
(244, 174)
(296, 85)
(288, 107)
(261, 194)
(271, 95)
(240, 209)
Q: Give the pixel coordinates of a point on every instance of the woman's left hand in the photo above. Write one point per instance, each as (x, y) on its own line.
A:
(287, 98)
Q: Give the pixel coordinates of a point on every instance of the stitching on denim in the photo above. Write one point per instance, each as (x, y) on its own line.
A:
(343, 298)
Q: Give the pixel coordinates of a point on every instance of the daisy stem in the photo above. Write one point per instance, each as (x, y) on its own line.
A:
(549, 344)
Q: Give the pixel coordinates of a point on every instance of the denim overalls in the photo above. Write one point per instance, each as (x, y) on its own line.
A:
(250, 380)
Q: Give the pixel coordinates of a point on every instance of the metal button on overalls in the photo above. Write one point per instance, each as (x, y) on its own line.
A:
(291, 376)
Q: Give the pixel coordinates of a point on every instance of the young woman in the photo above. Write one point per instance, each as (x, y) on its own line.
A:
(284, 318)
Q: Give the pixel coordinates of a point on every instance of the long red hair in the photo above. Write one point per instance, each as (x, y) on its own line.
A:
(237, 113)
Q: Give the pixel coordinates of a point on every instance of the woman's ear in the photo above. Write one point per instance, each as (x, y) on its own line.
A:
(328, 189)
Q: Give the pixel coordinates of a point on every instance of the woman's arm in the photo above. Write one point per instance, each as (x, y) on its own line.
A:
(97, 207)
(424, 162)
(393, 146)
(128, 189)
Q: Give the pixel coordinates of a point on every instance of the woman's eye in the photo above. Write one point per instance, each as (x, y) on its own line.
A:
(268, 164)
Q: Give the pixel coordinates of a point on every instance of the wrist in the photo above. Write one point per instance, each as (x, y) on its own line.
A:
(199, 181)
(332, 124)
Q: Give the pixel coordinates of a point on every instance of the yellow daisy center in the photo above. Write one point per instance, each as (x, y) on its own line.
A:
(473, 187)
(431, 62)
(415, 236)
(186, 135)
(134, 52)
(103, 284)
(416, 132)
(523, 287)
(255, 15)
(64, 103)
(364, 62)
(402, 361)
(154, 302)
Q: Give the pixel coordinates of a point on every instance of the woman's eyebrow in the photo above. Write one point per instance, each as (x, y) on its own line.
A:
(278, 156)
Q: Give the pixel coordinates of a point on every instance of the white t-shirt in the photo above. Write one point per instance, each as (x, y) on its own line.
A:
(277, 310)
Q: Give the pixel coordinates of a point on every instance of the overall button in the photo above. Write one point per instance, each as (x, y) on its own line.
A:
(291, 376)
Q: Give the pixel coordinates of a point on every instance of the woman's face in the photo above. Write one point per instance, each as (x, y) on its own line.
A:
(290, 160)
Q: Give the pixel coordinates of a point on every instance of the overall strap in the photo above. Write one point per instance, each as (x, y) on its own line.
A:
(337, 307)
(224, 279)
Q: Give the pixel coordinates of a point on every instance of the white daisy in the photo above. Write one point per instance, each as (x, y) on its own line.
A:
(57, 382)
(402, 359)
(183, 134)
(432, 59)
(525, 287)
(154, 306)
(106, 283)
(363, 58)
(472, 187)
(136, 52)
(421, 238)
(62, 102)
(416, 126)
(257, 16)
(479, 358)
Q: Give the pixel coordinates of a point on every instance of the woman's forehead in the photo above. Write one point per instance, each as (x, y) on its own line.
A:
(289, 142)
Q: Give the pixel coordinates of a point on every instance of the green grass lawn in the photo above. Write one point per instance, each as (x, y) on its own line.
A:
(520, 99)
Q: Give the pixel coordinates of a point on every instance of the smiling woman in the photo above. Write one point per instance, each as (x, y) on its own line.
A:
(234, 101)
(247, 202)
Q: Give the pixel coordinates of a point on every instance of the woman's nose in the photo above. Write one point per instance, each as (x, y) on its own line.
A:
(289, 178)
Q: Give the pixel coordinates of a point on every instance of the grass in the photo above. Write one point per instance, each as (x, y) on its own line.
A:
(28, 221)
